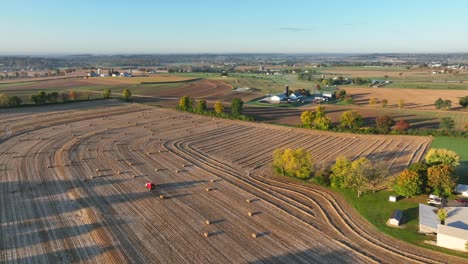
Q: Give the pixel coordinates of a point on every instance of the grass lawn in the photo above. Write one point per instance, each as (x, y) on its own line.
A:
(460, 146)
(376, 208)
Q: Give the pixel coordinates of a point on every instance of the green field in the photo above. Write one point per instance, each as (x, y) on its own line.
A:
(428, 85)
(460, 146)
(376, 209)
(15, 84)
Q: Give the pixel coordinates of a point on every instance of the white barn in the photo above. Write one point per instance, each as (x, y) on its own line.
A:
(278, 98)
(454, 234)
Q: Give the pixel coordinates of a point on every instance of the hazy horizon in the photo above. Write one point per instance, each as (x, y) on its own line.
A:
(232, 27)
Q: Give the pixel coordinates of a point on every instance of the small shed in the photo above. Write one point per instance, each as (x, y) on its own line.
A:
(396, 217)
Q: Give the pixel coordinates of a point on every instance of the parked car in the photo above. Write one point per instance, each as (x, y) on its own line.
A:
(434, 199)
(462, 200)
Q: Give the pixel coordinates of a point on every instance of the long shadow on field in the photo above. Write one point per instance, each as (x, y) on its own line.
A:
(44, 234)
(178, 185)
(314, 255)
(65, 256)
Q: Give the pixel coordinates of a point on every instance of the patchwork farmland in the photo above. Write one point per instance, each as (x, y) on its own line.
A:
(72, 190)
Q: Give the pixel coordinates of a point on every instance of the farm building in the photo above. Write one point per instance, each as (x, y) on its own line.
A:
(278, 97)
(462, 189)
(125, 74)
(428, 219)
(396, 217)
(454, 234)
(452, 237)
(295, 96)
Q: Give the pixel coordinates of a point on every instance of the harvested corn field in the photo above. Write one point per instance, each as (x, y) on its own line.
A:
(72, 190)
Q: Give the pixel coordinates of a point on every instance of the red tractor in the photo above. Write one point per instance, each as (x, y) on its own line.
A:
(150, 186)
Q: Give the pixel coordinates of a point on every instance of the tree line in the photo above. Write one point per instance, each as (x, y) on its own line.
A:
(42, 97)
(434, 175)
(187, 103)
(352, 121)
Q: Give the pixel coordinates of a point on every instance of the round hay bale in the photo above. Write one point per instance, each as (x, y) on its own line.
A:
(208, 222)
(248, 200)
(254, 235)
(162, 197)
(212, 180)
(208, 189)
(134, 176)
(250, 213)
(92, 177)
(177, 171)
(99, 175)
(156, 169)
(206, 234)
(130, 164)
(118, 173)
(97, 170)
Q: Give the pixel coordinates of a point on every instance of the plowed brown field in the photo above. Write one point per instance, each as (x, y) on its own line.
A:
(72, 190)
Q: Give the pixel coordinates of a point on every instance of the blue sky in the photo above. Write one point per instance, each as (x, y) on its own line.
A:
(145, 26)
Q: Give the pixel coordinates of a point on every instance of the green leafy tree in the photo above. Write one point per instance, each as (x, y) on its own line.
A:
(126, 94)
(377, 174)
(384, 103)
(322, 123)
(442, 215)
(401, 103)
(447, 104)
(201, 106)
(464, 101)
(361, 170)
(351, 119)
(186, 103)
(420, 168)
(447, 123)
(439, 103)
(236, 107)
(384, 124)
(319, 111)
(340, 171)
(15, 101)
(438, 156)
(106, 93)
(293, 163)
(4, 99)
(307, 118)
(219, 107)
(53, 97)
(349, 99)
(441, 180)
(39, 98)
(341, 93)
(408, 183)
